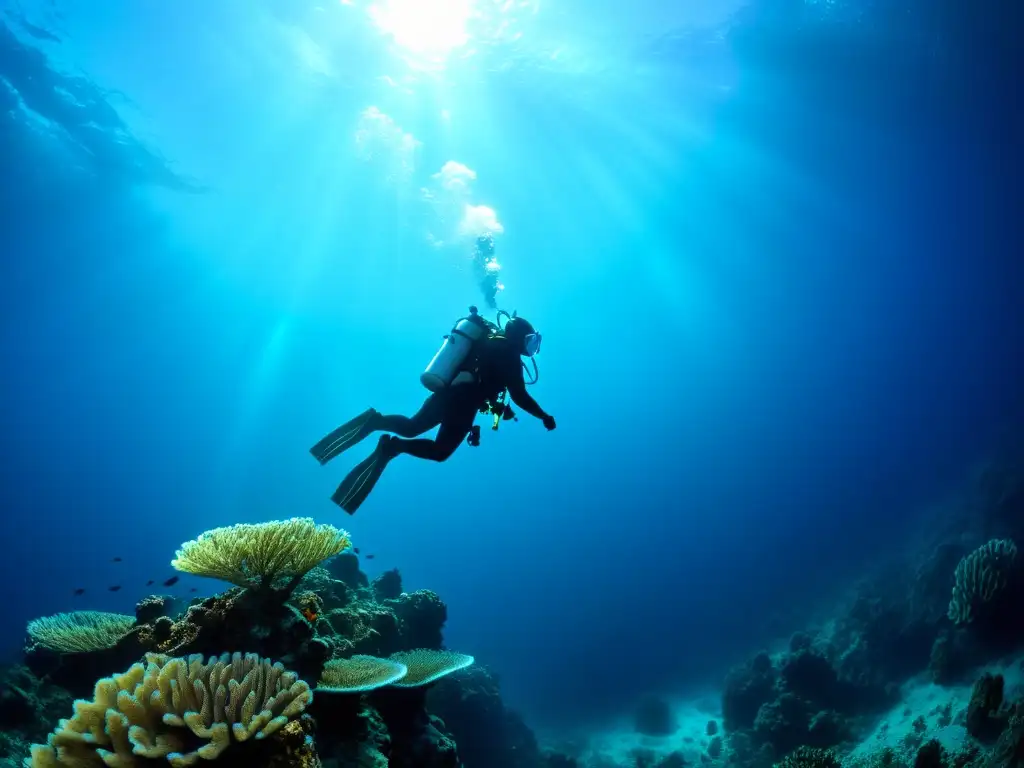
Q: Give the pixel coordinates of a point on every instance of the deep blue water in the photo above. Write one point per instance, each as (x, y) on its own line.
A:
(774, 251)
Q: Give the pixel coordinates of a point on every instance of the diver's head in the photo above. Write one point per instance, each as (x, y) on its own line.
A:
(523, 337)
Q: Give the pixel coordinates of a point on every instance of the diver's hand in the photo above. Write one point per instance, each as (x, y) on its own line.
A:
(549, 422)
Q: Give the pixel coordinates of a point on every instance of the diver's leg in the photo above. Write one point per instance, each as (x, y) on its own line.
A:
(361, 480)
(345, 436)
(456, 423)
(426, 418)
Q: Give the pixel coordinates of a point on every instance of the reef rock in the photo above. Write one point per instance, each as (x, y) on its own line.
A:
(488, 734)
(747, 689)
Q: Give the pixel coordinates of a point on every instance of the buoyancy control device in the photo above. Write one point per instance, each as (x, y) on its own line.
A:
(446, 367)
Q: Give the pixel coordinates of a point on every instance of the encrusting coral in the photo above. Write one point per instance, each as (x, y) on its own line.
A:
(405, 669)
(155, 709)
(261, 555)
(359, 674)
(425, 665)
(980, 576)
(80, 631)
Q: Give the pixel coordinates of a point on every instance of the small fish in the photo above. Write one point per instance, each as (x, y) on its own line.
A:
(193, 590)
(116, 560)
(356, 550)
(114, 588)
(79, 592)
(149, 583)
(370, 557)
(171, 581)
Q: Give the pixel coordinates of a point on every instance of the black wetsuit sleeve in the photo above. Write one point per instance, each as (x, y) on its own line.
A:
(517, 391)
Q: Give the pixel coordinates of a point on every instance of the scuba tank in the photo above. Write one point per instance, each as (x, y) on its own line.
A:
(446, 365)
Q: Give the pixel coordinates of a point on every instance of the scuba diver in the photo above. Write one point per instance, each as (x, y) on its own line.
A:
(486, 266)
(476, 369)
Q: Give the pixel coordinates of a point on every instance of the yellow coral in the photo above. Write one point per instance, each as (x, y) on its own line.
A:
(79, 631)
(153, 710)
(256, 555)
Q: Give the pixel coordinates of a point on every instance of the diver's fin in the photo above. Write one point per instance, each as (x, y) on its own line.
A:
(360, 481)
(344, 437)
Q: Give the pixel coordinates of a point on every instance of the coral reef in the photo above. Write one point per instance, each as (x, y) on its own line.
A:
(747, 688)
(943, 609)
(299, 616)
(388, 586)
(300, 611)
(772, 708)
(488, 734)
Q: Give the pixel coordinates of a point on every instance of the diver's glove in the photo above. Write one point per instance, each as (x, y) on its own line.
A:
(549, 422)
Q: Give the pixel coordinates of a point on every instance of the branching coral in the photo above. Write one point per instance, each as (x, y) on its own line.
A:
(980, 576)
(259, 555)
(79, 632)
(156, 709)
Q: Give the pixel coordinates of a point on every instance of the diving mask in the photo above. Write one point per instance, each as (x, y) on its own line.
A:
(531, 344)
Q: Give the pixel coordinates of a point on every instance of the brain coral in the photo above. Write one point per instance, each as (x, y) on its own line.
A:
(161, 708)
(979, 577)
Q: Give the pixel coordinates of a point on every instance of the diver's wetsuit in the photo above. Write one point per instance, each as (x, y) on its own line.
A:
(455, 409)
